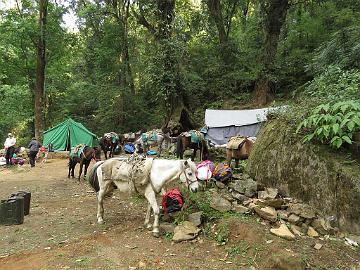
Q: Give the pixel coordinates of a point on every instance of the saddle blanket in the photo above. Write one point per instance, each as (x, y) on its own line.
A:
(77, 150)
(150, 136)
(112, 136)
(235, 142)
(196, 136)
(136, 170)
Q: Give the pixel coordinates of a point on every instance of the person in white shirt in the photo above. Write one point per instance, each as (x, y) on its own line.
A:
(9, 146)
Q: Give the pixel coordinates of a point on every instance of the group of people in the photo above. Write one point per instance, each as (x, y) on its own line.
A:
(9, 145)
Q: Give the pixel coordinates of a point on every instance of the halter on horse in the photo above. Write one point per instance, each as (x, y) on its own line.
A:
(84, 158)
(150, 175)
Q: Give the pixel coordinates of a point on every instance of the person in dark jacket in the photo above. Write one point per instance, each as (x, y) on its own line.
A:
(34, 147)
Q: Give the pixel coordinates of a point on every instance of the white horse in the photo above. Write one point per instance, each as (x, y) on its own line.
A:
(149, 175)
(159, 140)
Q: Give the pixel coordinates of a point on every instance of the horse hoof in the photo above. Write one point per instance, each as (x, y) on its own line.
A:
(148, 226)
(100, 221)
(156, 234)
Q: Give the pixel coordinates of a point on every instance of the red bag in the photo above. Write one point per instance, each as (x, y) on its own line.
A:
(172, 201)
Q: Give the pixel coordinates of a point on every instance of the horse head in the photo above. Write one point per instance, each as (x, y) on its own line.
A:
(96, 155)
(189, 172)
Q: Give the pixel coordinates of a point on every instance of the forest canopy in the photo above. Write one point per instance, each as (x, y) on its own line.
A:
(132, 65)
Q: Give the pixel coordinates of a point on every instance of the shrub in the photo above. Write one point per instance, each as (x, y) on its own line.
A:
(332, 124)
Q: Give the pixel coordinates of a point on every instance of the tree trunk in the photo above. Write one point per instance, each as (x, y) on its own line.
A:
(40, 72)
(275, 15)
(214, 7)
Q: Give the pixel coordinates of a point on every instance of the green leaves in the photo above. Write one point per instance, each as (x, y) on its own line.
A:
(332, 124)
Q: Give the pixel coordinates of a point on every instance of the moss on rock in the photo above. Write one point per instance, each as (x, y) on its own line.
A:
(313, 173)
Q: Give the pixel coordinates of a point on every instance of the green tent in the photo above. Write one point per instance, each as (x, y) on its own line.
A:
(67, 134)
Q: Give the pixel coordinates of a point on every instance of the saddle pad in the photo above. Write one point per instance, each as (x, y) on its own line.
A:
(77, 150)
(235, 142)
(196, 136)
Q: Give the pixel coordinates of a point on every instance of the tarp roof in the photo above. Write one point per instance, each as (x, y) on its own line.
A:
(69, 133)
(225, 118)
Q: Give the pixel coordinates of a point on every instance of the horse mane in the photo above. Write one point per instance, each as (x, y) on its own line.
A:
(93, 178)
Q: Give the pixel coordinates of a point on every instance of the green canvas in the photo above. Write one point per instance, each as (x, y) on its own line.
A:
(69, 132)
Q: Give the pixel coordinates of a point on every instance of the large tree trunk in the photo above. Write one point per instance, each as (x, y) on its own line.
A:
(169, 78)
(40, 72)
(170, 75)
(275, 15)
(214, 7)
(122, 9)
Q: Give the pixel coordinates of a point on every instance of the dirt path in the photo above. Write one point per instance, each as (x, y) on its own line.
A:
(61, 233)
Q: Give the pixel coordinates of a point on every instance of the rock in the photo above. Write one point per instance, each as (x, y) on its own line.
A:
(286, 261)
(252, 206)
(167, 227)
(283, 232)
(302, 210)
(312, 233)
(247, 187)
(276, 203)
(294, 219)
(351, 242)
(142, 264)
(220, 184)
(239, 197)
(219, 203)
(268, 193)
(296, 230)
(227, 196)
(318, 246)
(268, 213)
(283, 214)
(185, 231)
(320, 225)
(238, 208)
(188, 152)
(196, 218)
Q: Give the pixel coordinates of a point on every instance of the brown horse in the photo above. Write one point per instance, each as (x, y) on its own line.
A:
(88, 153)
(109, 142)
(183, 142)
(241, 152)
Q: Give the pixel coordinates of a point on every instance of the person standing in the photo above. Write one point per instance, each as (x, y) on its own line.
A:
(34, 147)
(9, 148)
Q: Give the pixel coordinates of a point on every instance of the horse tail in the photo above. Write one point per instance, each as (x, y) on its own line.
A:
(179, 146)
(93, 178)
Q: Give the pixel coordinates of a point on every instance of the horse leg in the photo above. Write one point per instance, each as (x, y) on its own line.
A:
(151, 197)
(73, 164)
(80, 170)
(104, 187)
(69, 168)
(87, 163)
(193, 154)
(147, 224)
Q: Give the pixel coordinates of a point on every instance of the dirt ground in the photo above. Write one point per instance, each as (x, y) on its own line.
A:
(61, 233)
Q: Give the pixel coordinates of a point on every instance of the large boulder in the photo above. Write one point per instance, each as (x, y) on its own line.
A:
(312, 173)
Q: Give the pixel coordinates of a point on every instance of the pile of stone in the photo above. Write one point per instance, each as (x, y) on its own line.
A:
(289, 217)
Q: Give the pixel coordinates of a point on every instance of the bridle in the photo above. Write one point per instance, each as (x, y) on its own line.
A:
(188, 181)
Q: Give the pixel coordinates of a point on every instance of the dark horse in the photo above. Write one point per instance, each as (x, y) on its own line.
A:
(87, 154)
(108, 144)
(184, 142)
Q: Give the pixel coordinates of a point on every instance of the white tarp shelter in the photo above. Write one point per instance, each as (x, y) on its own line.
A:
(224, 124)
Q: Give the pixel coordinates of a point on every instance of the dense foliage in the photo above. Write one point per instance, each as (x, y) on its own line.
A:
(133, 64)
